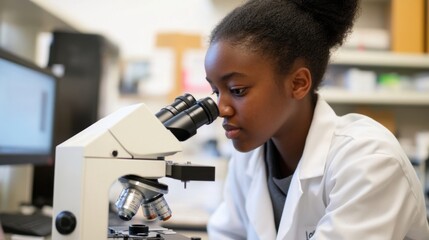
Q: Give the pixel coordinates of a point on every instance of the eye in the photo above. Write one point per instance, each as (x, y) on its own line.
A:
(216, 92)
(239, 92)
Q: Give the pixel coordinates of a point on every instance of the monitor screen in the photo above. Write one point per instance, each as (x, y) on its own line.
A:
(27, 106)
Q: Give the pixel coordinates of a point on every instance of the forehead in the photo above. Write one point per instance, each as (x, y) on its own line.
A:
(223, 57)
(223, 51)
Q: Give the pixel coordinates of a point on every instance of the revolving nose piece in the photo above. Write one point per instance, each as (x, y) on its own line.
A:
(128, 203)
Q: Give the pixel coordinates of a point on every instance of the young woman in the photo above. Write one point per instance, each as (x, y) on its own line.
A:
(301, 171)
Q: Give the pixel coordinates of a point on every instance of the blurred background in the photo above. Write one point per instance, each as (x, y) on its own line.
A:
(109, 54)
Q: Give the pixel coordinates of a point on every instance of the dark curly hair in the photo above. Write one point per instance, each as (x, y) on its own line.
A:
(287, 30)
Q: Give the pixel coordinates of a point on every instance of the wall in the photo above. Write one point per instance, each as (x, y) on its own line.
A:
(133, 24)
(21, 21)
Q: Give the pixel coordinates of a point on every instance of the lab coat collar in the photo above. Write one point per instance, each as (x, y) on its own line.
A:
(313, 160)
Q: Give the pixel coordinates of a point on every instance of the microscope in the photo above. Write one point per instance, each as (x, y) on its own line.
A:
(129, 146)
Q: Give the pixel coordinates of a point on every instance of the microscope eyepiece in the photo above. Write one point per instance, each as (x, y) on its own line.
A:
(185, 124)
(180, 103)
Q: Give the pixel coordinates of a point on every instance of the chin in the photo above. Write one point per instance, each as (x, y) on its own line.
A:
(244, 146)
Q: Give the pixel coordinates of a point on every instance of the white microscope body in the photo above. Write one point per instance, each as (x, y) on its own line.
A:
(131, 141)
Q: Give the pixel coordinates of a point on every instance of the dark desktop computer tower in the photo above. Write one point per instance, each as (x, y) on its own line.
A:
(85, 60)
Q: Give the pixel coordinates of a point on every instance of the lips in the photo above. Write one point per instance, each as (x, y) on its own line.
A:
(231, 131)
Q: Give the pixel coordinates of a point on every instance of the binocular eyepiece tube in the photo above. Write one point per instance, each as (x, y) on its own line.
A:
(185, 124)
(180, 103)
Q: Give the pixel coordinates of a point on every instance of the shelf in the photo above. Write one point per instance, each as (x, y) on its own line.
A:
(380, 59)
(341, 96)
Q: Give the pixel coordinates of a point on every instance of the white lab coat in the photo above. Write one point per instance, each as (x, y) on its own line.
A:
(352, 182)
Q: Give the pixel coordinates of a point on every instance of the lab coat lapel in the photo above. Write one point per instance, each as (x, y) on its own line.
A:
(258, 201)
(291, 209)
(311, 165)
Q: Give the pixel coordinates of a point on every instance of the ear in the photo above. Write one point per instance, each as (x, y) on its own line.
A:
(301, 82)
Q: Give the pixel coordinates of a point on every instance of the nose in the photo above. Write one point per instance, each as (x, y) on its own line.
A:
(225, 108)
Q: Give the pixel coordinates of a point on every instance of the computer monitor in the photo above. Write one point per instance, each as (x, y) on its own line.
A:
(27, 110)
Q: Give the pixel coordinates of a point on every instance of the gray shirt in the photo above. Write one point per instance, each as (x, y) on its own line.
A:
(277, 186)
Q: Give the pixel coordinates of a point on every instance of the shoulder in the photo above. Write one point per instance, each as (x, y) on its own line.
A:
(363, 147)
(356, 130)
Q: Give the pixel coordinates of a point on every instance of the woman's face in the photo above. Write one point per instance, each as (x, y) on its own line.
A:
(254, 103)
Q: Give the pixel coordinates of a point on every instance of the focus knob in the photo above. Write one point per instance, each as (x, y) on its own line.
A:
(65, 222)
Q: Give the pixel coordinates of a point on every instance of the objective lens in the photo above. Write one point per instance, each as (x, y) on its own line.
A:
(160, 206)
(185, 124)
(180, 103)
(147, 193)
(128, 203)
(149, 212)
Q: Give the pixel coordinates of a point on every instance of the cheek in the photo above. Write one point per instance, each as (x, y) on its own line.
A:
(264, 119)
(257, 127)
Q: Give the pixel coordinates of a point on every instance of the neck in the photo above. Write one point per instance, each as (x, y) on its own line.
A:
(290, 142)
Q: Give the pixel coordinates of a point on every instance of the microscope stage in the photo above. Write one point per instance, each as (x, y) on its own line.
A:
(121, 232)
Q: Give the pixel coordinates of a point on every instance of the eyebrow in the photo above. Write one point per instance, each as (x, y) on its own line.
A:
(226, 77)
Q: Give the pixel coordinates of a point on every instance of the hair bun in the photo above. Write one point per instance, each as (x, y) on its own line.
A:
(337, 16)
